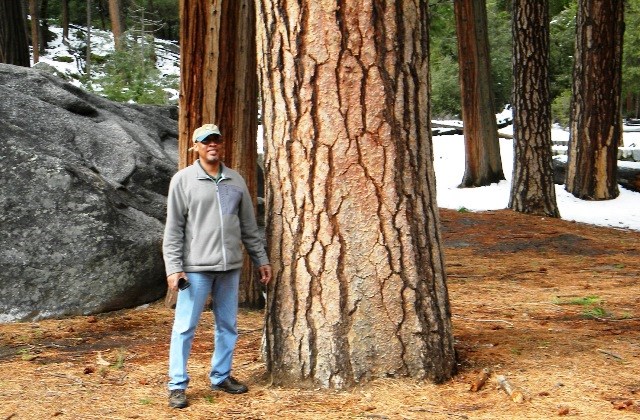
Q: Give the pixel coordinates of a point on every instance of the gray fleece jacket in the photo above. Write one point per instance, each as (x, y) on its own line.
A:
(207, 221)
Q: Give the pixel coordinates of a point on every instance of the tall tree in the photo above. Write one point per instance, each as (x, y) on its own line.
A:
(219, 85)
(483, 165)
(14, 46)
(115, 16)
(596, 124)
(353, 224)
(35, 29)
(64, 4)
(87, 67)
(532, 187)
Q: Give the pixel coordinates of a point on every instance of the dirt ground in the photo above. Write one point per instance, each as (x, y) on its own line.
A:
(550, 305)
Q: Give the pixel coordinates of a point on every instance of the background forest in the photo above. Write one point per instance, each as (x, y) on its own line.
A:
(129, 72)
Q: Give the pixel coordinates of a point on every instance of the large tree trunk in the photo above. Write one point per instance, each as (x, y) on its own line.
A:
(483, 165)
(353, 225)
(14, 45)
(115, 16)
(596, 124)
(532, 187)
(35, 31)
(219, 85)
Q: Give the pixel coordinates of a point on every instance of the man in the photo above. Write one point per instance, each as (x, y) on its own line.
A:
(209, 215)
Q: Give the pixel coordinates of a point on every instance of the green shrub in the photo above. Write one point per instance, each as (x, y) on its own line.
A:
(130, 74)
(561, 108)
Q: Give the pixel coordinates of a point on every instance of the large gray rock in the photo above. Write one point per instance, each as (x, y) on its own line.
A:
(83, 184)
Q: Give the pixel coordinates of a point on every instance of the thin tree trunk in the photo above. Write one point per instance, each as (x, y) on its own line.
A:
(532, 187)
(14, 46)
(116, 23)
(353, 226)
(483, 165)
(43, 28)
(35, 23)
(87, 67)
(596, 123)
(65, 21)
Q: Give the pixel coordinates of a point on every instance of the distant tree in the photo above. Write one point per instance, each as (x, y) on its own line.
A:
(14, 46)
(483, 165)
(34, 12)
(65, 21)
(43, 28)
(532, 187)
(596, 125)
(359, 286)
(115, 16)
(87, 67)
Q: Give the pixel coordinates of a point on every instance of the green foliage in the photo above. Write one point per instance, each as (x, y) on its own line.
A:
(63, 59)
(595, 312)
(588, 300)
(561, 108)
(500, 48)
(631, 55)
(562, 31)
(445, 88)
(130, 74)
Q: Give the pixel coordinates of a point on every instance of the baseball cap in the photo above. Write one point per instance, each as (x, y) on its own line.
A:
(205, 131)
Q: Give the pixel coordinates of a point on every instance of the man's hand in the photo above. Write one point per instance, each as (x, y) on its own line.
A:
(172, 280)
(265, 274)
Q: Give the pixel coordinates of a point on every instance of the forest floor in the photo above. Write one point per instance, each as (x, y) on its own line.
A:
(552, 306)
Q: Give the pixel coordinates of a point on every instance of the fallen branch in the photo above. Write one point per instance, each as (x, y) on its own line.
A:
(608, 353)
(480, 380)
(515, 394)
(484, 320)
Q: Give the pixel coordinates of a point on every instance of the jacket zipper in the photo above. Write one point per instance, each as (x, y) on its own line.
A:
(224, 253)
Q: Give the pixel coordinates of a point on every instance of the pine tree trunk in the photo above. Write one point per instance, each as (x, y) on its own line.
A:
(483, 165)
(219, 85)
(14, 45)
(116, 23)
(35, 23)
(65, 21)
(87, 67)
(353, 226)
(44, 25)
(532, 187)
(596, 124)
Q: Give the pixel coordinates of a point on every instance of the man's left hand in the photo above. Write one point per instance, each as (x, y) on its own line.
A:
(265, 274)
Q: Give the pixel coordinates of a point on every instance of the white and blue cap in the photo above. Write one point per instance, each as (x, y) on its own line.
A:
(205, 131)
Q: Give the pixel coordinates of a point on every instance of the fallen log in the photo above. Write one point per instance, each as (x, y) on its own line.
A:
(480, 380)
(515, 394)
(629, 178)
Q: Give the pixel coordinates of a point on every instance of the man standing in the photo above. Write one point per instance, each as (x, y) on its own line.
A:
(209, 215)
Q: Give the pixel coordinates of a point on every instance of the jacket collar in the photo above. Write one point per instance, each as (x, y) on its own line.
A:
(202, 174)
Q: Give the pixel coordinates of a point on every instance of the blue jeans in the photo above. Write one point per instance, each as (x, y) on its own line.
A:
(223, 287)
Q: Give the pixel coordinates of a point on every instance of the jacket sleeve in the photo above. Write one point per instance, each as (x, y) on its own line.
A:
(174, 229)
(249, 230)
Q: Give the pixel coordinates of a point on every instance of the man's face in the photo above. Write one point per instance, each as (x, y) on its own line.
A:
(211, 149)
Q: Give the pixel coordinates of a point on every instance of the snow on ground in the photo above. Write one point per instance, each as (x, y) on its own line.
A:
(623, 212)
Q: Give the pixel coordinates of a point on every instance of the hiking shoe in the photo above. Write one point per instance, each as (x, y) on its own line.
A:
(231, 386)
(177, 398)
